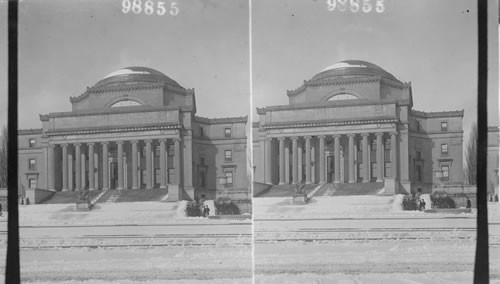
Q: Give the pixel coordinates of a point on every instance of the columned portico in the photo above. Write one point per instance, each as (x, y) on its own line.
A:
(64, 167)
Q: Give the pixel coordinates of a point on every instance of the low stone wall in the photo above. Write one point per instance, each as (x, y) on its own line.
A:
(37, 195)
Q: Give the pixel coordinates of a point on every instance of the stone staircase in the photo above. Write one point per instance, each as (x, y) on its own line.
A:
(115, 194)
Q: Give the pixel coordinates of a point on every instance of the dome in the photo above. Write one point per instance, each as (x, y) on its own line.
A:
(136, 75)
(353, 68)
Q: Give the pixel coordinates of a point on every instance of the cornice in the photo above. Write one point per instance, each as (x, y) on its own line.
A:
(113, 129)
(108, 111)
(332, 104)
(29, 131)
(318, 123)
(238, 119)
(438, 114)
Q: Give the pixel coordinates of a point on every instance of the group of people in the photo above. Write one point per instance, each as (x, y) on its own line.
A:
(414, 203)
(23, 201)
(204, 210)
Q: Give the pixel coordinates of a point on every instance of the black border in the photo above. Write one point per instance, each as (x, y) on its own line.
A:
(481, 265)
(12, 273)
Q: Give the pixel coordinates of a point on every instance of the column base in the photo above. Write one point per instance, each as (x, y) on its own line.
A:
(380, 180)
(91, 189)
(351, 181)
(119, 188)
(308, 182)
(163, 187)
(336, 182)
(64, 189)
(135, 187)
(281, 182)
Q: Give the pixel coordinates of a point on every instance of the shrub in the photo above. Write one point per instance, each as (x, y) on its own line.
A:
(440, 201)
(225, 206)
(193, 209)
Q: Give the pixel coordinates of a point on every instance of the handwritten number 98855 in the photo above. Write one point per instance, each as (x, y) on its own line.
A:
(148, 7)
(355, 5)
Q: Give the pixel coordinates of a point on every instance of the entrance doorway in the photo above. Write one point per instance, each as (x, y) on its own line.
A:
(330, 168)
(113, 175)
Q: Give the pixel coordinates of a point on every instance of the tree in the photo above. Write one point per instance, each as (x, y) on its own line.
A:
(471, 157)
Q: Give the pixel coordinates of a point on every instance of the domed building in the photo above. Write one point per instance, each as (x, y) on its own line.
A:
(136, 128)
(353, 124)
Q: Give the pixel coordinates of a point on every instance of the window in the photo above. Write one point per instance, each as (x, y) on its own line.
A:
(228, 155)
(444, 149)
(32, 142)
(417, 125)
(202, 161)
(32, 164)
(202, 132)
(387, 169)
(444, 126)
(227, 132)
(419, 155)
(446, 172)
(419, 172)
(229, 178)
(32, 183)
(170, 150)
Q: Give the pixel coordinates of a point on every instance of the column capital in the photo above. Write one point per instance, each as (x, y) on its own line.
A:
(307, 137)
(162, 140)
(51, 145)
(281, 138)
(104, 142)
(134, 141)
(64, 145)
(91, 144)
(148, 141)
(364, 134)
(351, 135)
(119, 142)
(379, 133)
(294, 137)
(394, 133)
(336, 135)
(177, 139)
(321, 136)
(77, 144)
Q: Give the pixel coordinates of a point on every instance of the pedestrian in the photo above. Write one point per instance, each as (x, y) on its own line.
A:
(469, 204)
(22, 201)
(1, 214)
(423, 204)
(206, 211)
(27, 201)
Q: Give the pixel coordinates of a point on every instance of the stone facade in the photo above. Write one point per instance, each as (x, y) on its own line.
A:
(147, 119)
(354, 123)
(493, 160)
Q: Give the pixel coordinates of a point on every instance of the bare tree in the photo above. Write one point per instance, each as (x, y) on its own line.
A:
(3, 157)
(471, 157)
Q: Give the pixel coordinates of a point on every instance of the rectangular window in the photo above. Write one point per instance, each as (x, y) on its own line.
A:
(419, 156)
(32, 142)
(202, 133)
(444, 149)
(444, 126)
(227, 132)
(387, 169)
(171, 150)
(229, 178)
(32, 183)
(228, 155)
(417, 124)
(446, 172)
(419, 173)
(32, 164)
(202, 161)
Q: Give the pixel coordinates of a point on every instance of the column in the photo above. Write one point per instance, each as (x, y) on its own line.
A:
(287, 162)
(120, 164)
(51, 171)
(351, 157)
(294, 160)
(163, 164)
(321, 158)
(308, 159)
(149, 169)
(268, 161)
(380, 157)
(70, 159)
(394, 159)
(78, 163)
(105, 166)
(282, 159)
(91, 166)
(135, 184)
(337, 158)
(83, 173)
(177, 148)
(64, 167)
(300, 159)
(366, 165)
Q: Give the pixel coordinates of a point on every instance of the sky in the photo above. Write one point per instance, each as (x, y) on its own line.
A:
(432, 44)
(65, 46)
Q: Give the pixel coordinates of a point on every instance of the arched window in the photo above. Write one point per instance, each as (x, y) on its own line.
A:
(343, 96)
(125, 103)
